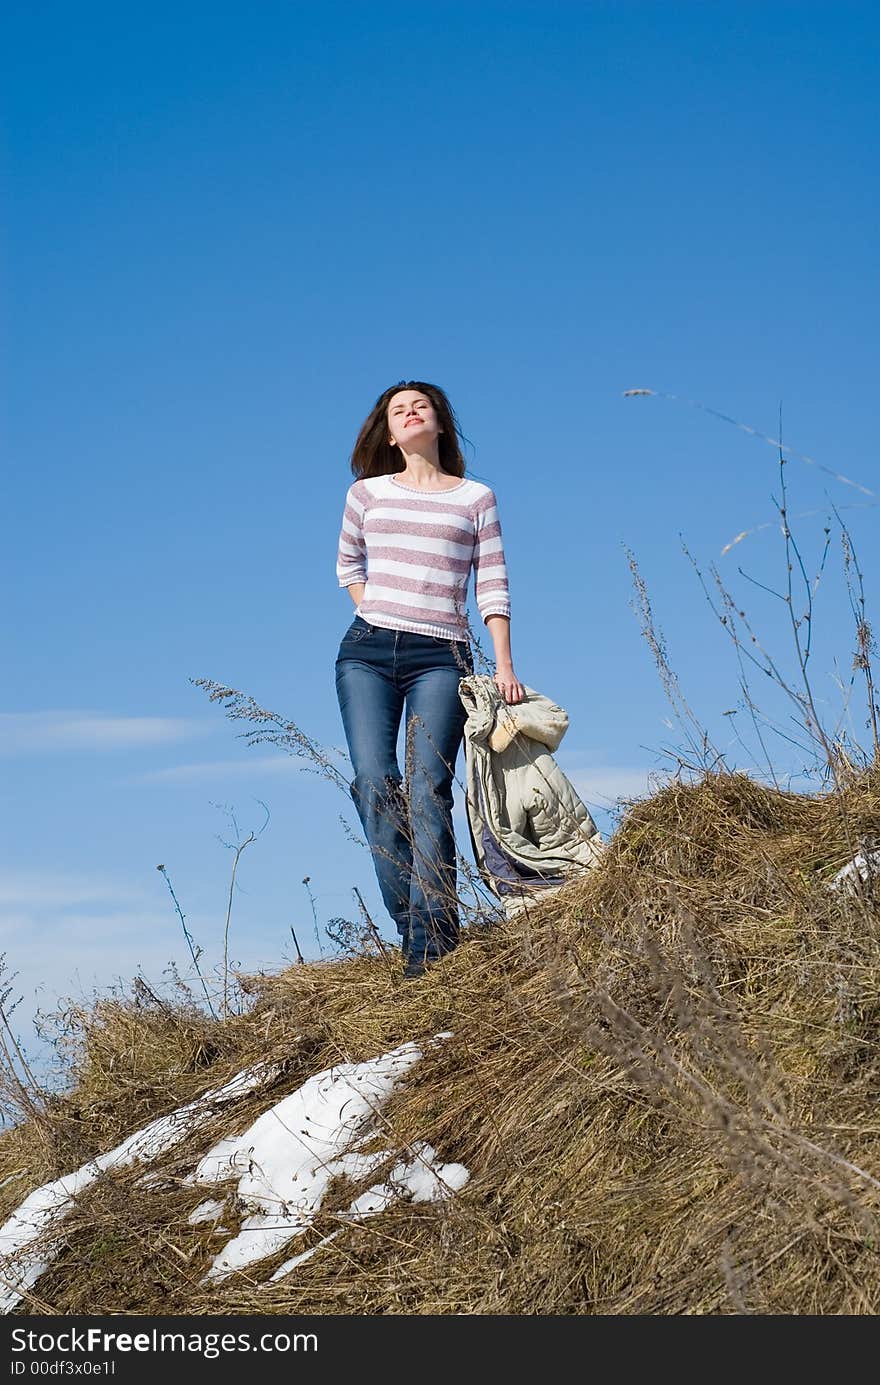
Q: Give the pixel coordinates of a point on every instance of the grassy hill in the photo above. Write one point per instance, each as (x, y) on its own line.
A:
(662, 1083)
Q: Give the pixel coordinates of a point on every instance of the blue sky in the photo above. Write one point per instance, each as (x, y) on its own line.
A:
(227, 231)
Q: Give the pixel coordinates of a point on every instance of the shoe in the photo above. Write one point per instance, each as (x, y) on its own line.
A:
(414, 968)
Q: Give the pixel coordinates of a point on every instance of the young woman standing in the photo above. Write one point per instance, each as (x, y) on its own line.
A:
(413, 528)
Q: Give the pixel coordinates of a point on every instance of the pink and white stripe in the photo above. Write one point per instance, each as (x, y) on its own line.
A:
(414, 551)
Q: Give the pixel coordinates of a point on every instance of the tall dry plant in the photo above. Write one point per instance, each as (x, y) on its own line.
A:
(843, 763)
(237, 847)
(21, 1095)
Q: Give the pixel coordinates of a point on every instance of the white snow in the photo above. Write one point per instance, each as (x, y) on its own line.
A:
(289, 1265)
(865, 864)
(21, 1266)
(207, 1211)
(420, 1177)
(283, 1164)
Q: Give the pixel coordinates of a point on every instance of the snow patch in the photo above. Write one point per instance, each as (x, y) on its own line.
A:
(22, 1262)
(865, 865)
(285, 1161)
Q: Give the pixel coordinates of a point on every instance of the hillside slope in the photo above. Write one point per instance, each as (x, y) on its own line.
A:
(657, 1093)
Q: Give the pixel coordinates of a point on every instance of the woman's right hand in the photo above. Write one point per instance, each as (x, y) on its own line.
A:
(507, 683)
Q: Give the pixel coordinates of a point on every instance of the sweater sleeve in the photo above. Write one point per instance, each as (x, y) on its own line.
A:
(490, 570)
(351, 558)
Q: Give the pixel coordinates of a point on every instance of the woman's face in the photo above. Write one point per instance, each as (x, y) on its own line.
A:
(412, 420)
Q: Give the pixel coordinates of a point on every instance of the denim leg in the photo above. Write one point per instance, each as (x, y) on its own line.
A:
(371, 707)
(435, 726)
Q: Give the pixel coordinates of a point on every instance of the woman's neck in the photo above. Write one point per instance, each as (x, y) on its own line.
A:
(424, 478)
(420, 471)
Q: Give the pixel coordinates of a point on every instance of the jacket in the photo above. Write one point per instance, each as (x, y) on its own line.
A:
(529, 831)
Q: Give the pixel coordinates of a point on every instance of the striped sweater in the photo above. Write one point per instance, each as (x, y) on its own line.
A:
(414, 550)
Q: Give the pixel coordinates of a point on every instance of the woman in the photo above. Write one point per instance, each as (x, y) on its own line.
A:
(412, 529)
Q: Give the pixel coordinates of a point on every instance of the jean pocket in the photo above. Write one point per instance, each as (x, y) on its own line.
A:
(458, 651)
(355, 633)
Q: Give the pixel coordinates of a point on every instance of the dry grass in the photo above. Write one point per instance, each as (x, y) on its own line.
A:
(664, 1083)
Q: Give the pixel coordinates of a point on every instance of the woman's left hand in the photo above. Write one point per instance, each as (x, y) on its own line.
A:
(507, 683)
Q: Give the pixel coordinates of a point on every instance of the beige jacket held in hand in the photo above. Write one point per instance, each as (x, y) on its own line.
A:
(529, 830)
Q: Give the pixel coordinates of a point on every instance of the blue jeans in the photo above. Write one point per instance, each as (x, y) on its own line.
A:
(408, 827)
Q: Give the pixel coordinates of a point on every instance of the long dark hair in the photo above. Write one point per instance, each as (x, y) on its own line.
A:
(374, 455)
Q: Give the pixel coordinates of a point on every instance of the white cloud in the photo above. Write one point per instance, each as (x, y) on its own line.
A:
(605, 784)
(63, 925)
(53, 957)
(59, 889)
(69, 935)
(36, 732)
(64, 933)
(280, 763)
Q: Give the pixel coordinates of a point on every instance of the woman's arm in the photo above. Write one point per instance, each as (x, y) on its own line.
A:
(351, 558)
(506, 681)
(493, 594)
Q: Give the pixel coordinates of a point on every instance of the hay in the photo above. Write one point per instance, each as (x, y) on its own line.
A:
(663, 1081)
